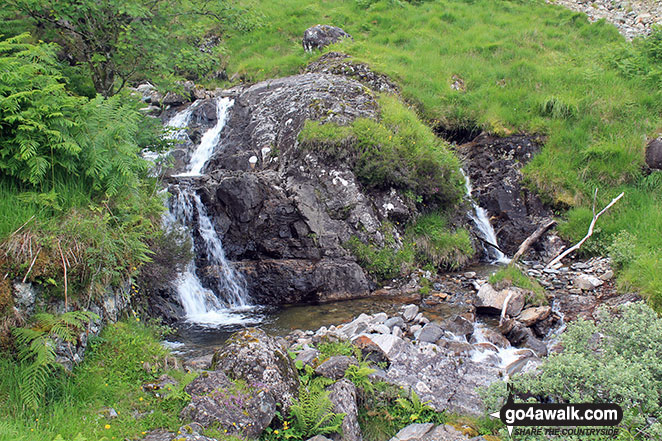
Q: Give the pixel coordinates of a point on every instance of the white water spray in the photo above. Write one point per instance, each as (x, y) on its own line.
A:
(227, 302)
(479, 217)
(209, 140)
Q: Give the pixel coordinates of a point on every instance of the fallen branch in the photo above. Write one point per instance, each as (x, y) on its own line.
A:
(31, 265)
(590, 229)
(533, 238)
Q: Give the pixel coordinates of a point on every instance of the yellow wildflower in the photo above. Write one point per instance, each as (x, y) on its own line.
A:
(107, 426)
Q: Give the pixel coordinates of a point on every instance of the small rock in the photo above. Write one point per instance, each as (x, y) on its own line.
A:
(380, 317)
(307, 356)
(654, 154)
(320, 36)
(394, 321)
(586, 282)
(531, 316)
(608, 275)
(430, 333)
(343, 396)
(413, 432)
(409, 312)
(335, 367)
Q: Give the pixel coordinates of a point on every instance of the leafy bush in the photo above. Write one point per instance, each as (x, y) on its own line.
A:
(49, 135)
(312, 412)
(382, 263)
(615, 359)
(622, 249)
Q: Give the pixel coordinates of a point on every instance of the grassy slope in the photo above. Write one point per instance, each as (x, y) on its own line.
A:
(527, 66)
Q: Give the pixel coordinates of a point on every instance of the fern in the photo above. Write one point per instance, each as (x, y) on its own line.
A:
(360, 376)
(36, 349)
(313, 412)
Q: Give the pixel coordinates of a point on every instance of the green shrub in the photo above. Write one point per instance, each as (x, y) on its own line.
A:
(622, 249)
(312, 412)
(616, 359)
(382, 263)
(397, 151)
(438, 244)
(49, 135)
(125, 356)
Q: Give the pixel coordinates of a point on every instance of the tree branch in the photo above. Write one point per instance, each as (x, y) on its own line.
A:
(590, 229)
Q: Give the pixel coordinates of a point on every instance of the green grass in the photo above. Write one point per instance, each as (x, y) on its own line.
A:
(527, 66)
(110, 376)
(513, 276)
(398, 151)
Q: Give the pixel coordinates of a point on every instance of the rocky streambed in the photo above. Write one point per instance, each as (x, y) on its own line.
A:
(446, 358)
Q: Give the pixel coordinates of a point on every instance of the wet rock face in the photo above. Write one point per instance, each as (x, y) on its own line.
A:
(494, 169)
(284, 222)
(320, 36)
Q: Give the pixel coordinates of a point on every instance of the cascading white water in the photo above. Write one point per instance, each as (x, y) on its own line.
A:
(227, 301)
(204, 150)
(479, 217)
(506, 356)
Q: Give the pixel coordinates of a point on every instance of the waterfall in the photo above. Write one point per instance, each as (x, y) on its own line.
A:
(479, 217)
(226, 301)
(209, 140)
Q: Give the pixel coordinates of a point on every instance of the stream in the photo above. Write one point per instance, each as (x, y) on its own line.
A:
(214, 311)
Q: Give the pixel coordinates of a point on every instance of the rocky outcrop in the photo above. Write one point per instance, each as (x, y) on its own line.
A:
(284, 220)
(442, 367)
(245, 409)
(260, 361)
(654, 154)
(337, 63)
(320, 36)
(494, 166)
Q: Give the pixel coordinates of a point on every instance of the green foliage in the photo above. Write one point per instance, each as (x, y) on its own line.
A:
(389, 409)
(36, 113)
(117, 363)
(622, 249)
(116, 42)
(439, 245)
(399, 151)
(511, 275)
(312, 412)
(360, 376)
(36, 348)
(330, 348)
(382, 263)
(427, 242)
(615, 359)
(49, 135)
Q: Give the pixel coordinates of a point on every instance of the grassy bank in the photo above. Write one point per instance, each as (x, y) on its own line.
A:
(518, 67)
(76, 405)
